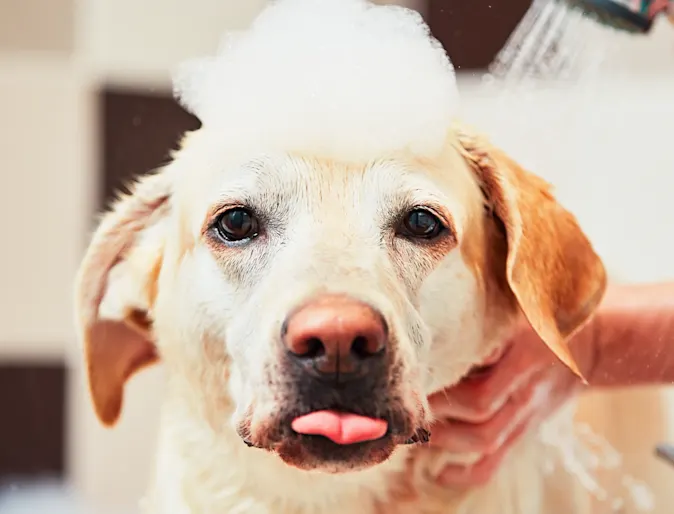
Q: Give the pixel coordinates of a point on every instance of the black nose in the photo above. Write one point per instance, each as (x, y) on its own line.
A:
(335, 337)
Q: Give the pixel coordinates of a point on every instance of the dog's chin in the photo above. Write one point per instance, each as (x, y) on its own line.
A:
(317, 453)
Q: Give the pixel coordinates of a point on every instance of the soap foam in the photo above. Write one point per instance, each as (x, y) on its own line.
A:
(344, 79)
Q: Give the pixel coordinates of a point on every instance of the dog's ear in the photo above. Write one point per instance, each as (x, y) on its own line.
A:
(115, 291)
(551, 267)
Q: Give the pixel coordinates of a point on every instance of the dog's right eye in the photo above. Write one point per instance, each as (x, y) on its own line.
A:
(237, 225)
(421, 224)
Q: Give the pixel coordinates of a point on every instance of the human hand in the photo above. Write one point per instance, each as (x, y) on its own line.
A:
(486, 413)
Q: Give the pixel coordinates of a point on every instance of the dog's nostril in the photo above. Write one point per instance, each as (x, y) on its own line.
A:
(362, 347)
(359, 347)
(308, 348)
(314, 349)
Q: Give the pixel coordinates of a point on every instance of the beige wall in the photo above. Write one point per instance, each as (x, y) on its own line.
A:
(47, 137)
(37, 25)
(44, 188)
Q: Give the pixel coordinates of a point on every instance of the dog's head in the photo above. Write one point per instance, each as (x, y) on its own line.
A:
(313, 303)
(325, 251)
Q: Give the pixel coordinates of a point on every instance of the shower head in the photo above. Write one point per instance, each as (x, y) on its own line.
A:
(634, 16)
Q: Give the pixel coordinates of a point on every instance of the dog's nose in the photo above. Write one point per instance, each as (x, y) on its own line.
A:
(336, 337)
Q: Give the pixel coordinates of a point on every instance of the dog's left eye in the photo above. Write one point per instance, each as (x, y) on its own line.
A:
(422, 224)
(237, 225)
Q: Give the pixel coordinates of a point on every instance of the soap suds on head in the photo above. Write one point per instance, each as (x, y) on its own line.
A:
(343, 79)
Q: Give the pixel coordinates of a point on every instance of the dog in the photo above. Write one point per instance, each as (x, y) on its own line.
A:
(314, 262)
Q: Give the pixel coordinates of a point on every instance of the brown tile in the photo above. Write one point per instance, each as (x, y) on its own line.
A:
(139, 129)
(32, 410)
(474, 31)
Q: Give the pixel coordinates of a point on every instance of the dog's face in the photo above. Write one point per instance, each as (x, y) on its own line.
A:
(314, 304)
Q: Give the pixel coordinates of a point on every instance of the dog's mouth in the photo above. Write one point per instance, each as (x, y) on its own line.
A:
(339, 440)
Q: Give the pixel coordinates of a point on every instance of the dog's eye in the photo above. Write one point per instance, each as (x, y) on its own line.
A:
(421, 223)
(236, 225)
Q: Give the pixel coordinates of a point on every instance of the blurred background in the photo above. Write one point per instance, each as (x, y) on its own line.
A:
(85, 103)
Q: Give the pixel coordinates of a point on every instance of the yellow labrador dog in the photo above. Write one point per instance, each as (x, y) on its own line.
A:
(326, 251)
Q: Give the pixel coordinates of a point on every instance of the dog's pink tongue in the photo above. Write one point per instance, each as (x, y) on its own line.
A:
(340, 427)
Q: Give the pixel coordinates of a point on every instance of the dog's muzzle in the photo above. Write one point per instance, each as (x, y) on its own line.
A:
(342, 407)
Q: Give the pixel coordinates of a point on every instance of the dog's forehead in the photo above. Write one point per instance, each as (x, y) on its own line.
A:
(207, 177)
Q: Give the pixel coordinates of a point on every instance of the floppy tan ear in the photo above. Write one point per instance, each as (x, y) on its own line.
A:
(551, 267)
(115, 291)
